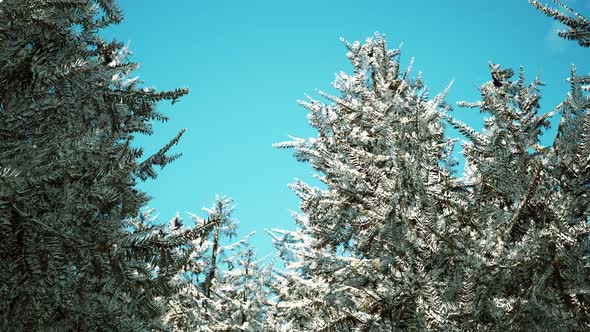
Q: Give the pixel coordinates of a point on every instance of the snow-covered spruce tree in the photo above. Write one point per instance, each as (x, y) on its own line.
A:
(157, 256)
(240, 302)
(224, 286)
(301, 299)
(68, 112)
(531, 203)
(532, 242)
(396, 243)
(375, 246)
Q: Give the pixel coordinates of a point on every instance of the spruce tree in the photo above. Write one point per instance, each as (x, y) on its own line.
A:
(241, 300)
(222, 286)
(72, 257)
(368, 238)
(531, 272)
(396, 242)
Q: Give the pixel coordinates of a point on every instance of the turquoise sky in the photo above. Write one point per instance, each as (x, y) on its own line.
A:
(247, 62)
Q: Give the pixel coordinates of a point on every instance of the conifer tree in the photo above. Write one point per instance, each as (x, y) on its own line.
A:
(531, 272)
(232, 297)
(240, 302)
(72, 257)
(369, 236)
(397, 242)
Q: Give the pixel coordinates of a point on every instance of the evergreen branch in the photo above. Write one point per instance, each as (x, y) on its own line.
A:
(523, 202)
(579, 25)
(145, 169)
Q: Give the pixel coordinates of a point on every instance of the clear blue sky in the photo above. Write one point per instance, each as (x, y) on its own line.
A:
(247, 62)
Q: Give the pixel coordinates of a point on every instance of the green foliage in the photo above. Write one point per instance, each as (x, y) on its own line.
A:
(68, 112)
